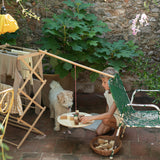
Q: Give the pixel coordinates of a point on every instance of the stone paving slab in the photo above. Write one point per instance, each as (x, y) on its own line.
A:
(137, 144)
(76, 146)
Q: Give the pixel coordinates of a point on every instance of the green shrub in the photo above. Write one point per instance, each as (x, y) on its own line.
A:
(147, 3)
(77, 35)
(9, 38)
(4, 148)
(148, 75)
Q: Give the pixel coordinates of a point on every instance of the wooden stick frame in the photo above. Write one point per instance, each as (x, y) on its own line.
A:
(32, 100)
(18, 121)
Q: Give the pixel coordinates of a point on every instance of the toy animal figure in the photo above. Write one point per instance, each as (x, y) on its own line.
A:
(60, 100)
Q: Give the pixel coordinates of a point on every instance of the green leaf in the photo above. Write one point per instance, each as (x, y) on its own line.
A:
(84, 45)
(93, 43)
(8, 157)
(75, 36)
(50, 24)
(53, 62)
(53, 32)
(109, 46)
(67, 66)
(99, 52)
(47, 20)
(117, 65)
(68, 12)
(91, 34)
(76, 47)
(91, 59)
(124, 54)
(90, 17)
(71, 57)
(9, 38)
(5, 146)
(61, 71)
(94, 76)
(79, 15)
(69, 3)
(78, 70)
(48, 44)
(132, 45)
(101, 30)
(80, 5)
(77, 24)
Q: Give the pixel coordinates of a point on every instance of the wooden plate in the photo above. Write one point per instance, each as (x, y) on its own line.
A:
(66, 120)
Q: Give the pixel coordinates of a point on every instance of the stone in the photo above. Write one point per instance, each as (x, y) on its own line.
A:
(158, 31)
(87, 87)
(150, 53)
(121, 11)
(155, 10)
(152, 19)
(139, 1)
(28, 4)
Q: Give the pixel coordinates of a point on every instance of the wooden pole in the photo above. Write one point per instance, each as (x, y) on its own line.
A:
(77, 64)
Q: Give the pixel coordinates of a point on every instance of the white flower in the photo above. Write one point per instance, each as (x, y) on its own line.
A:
(143, 21)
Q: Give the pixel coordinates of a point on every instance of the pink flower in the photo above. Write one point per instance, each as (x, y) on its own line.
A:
(139, 21)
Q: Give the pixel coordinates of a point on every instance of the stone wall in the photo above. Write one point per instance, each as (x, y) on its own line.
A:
(118, 14)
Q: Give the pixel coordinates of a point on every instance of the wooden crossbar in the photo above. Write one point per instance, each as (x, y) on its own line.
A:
(30, 68)
(31, 127)
(30, 75)
(76, 64)
(18, 121)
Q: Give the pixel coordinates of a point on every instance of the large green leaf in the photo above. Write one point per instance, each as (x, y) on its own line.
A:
(132, 45)
(117, 64)
(48, 44)
(59, 69)
(109, 46)
(102, 50)
(76, 47)
(79, 15)
(83, 6)
(90, 17)
(91, 59)
(97, 54)
(53, 62)
(101, 30)
(69, 3)
(92, 43)
(67, 66)
(50, 24)
(78, 24)
(9, 38)
(72, 57)
(94, 76)
(74, 36)
(91, 34)
(68, 12)
(53, 32)
(124, 54)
